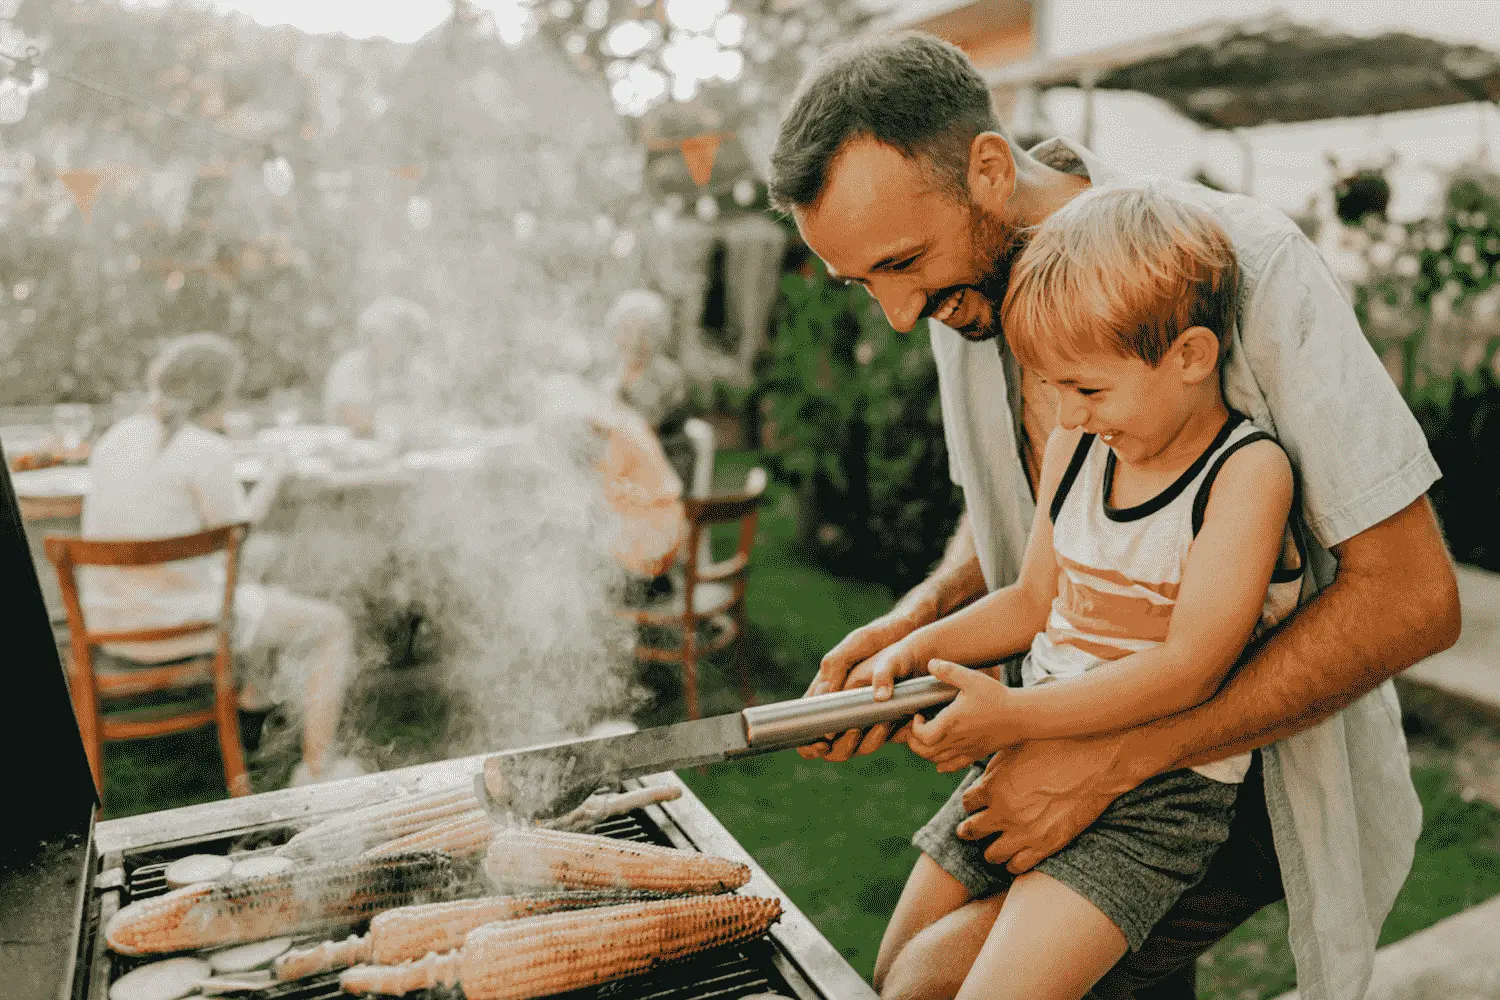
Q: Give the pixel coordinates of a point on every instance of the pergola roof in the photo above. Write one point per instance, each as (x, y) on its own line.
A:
(1239, 74)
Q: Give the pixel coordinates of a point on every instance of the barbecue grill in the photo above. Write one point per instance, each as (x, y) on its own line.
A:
(62, 875)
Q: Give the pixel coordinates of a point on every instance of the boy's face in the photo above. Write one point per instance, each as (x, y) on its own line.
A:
(1135, 408)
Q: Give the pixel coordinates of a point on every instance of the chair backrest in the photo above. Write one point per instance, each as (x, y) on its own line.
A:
(701, 433)
(723, 508)
(66, 552)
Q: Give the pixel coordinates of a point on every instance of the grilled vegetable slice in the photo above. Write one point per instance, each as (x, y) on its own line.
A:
(168, 980)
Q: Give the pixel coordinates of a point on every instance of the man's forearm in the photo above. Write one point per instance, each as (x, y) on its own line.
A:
(955, 581)
(1393, 602)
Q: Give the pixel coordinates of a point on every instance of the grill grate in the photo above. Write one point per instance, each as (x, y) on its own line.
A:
(730, 973)
(725, 974)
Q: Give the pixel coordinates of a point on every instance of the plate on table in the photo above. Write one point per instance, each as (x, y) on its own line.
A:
(57, 481)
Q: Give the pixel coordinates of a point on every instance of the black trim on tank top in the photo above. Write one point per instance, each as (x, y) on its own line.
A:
(1065, 484)
(1171, 493)
(1281, 574)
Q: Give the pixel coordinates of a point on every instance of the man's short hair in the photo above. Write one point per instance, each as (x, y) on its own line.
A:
(1121, 269)
(910, 91)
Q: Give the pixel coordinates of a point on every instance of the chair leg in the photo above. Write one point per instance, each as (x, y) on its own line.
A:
(227, 721)
(741, 659)
(690, 665)
(90, 726)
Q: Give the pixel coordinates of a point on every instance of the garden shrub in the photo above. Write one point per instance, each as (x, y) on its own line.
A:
(853, 421)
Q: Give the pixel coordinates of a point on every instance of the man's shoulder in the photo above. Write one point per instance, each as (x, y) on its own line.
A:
(1256, 229)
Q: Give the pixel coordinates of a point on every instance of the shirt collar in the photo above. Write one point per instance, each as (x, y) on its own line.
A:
(1071, 158)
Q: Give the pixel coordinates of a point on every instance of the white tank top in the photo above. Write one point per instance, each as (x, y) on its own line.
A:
(1119, 569)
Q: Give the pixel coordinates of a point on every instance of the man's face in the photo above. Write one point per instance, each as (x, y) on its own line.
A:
(881, 222)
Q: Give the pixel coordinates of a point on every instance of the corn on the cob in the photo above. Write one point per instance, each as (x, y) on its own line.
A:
(540, 956)
(349, 834)
(553, 859)
(287, 903)
(411, 932)
(466, 835)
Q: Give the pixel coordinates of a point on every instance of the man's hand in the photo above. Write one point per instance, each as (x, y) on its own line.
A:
(1043, 793)
(852, 663)
(974, 725)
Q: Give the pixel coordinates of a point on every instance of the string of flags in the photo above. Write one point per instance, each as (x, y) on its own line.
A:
(85, 184)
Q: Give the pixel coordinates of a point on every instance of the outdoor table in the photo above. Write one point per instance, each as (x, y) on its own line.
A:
(325, 462)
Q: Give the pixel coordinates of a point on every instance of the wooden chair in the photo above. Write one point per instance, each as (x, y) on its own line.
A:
(114, 677)
(712, 593)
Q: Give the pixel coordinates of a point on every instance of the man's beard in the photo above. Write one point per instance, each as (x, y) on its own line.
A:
(996, 248)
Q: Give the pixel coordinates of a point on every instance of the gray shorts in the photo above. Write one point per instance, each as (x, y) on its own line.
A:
(1149, 847)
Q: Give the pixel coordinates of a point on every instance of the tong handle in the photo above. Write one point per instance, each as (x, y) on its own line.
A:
(807, 720)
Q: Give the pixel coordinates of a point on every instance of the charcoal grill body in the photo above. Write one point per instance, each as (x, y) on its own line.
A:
(795, 961)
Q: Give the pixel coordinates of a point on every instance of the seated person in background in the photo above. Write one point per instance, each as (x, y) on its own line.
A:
(638, 482)
(168, 472)
(391, 375)
(650, 383)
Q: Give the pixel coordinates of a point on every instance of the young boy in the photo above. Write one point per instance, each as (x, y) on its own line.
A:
(1162, 545)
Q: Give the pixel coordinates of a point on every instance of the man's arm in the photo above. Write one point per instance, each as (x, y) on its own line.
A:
(1393, 602)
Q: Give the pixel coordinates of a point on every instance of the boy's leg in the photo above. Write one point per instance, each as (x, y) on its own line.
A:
(1048, 943)
(1242, 878)
(933, 936)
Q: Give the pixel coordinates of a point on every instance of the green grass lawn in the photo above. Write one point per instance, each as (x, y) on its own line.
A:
(837, 837)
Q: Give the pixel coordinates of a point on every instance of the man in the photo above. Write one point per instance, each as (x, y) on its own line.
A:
(892, 163)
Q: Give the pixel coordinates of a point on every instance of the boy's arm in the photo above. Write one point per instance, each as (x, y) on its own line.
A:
(1223, 590)
(1000, 624)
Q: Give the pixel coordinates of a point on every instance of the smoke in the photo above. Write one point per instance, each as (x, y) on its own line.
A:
(481, 584)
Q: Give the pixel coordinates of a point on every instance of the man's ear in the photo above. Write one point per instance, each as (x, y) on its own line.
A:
(992, 171)
(1197, 351)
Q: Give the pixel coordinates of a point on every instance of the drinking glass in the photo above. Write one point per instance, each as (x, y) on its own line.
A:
(286, 407)
(72, 422)
(239, 424)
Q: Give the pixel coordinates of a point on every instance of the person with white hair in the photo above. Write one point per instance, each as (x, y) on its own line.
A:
(391, 376)
(168, 472)
(652, 384)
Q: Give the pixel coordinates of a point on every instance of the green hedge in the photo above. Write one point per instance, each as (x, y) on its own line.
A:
(853, 422)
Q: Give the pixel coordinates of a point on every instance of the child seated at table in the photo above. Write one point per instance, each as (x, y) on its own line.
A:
(1162, 544)
(169, 472)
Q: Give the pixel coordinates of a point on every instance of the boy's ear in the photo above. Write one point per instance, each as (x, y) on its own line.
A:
(1197, 351)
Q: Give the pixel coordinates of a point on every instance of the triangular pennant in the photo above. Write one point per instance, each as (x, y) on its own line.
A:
(699, 153)
(83, 184)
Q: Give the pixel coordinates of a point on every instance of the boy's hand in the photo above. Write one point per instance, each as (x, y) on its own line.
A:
(974, 725)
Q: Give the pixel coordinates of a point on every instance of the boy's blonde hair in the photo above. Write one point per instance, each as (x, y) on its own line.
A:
(1121, 269)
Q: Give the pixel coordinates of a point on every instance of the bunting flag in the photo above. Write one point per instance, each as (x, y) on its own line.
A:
(83, 184)
(699, 153)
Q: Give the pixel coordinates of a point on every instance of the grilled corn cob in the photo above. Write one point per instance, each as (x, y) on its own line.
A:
(410, 932)
(554, 859)
(540, 956)
(285, 903)
(466, 835)
(349, 834)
